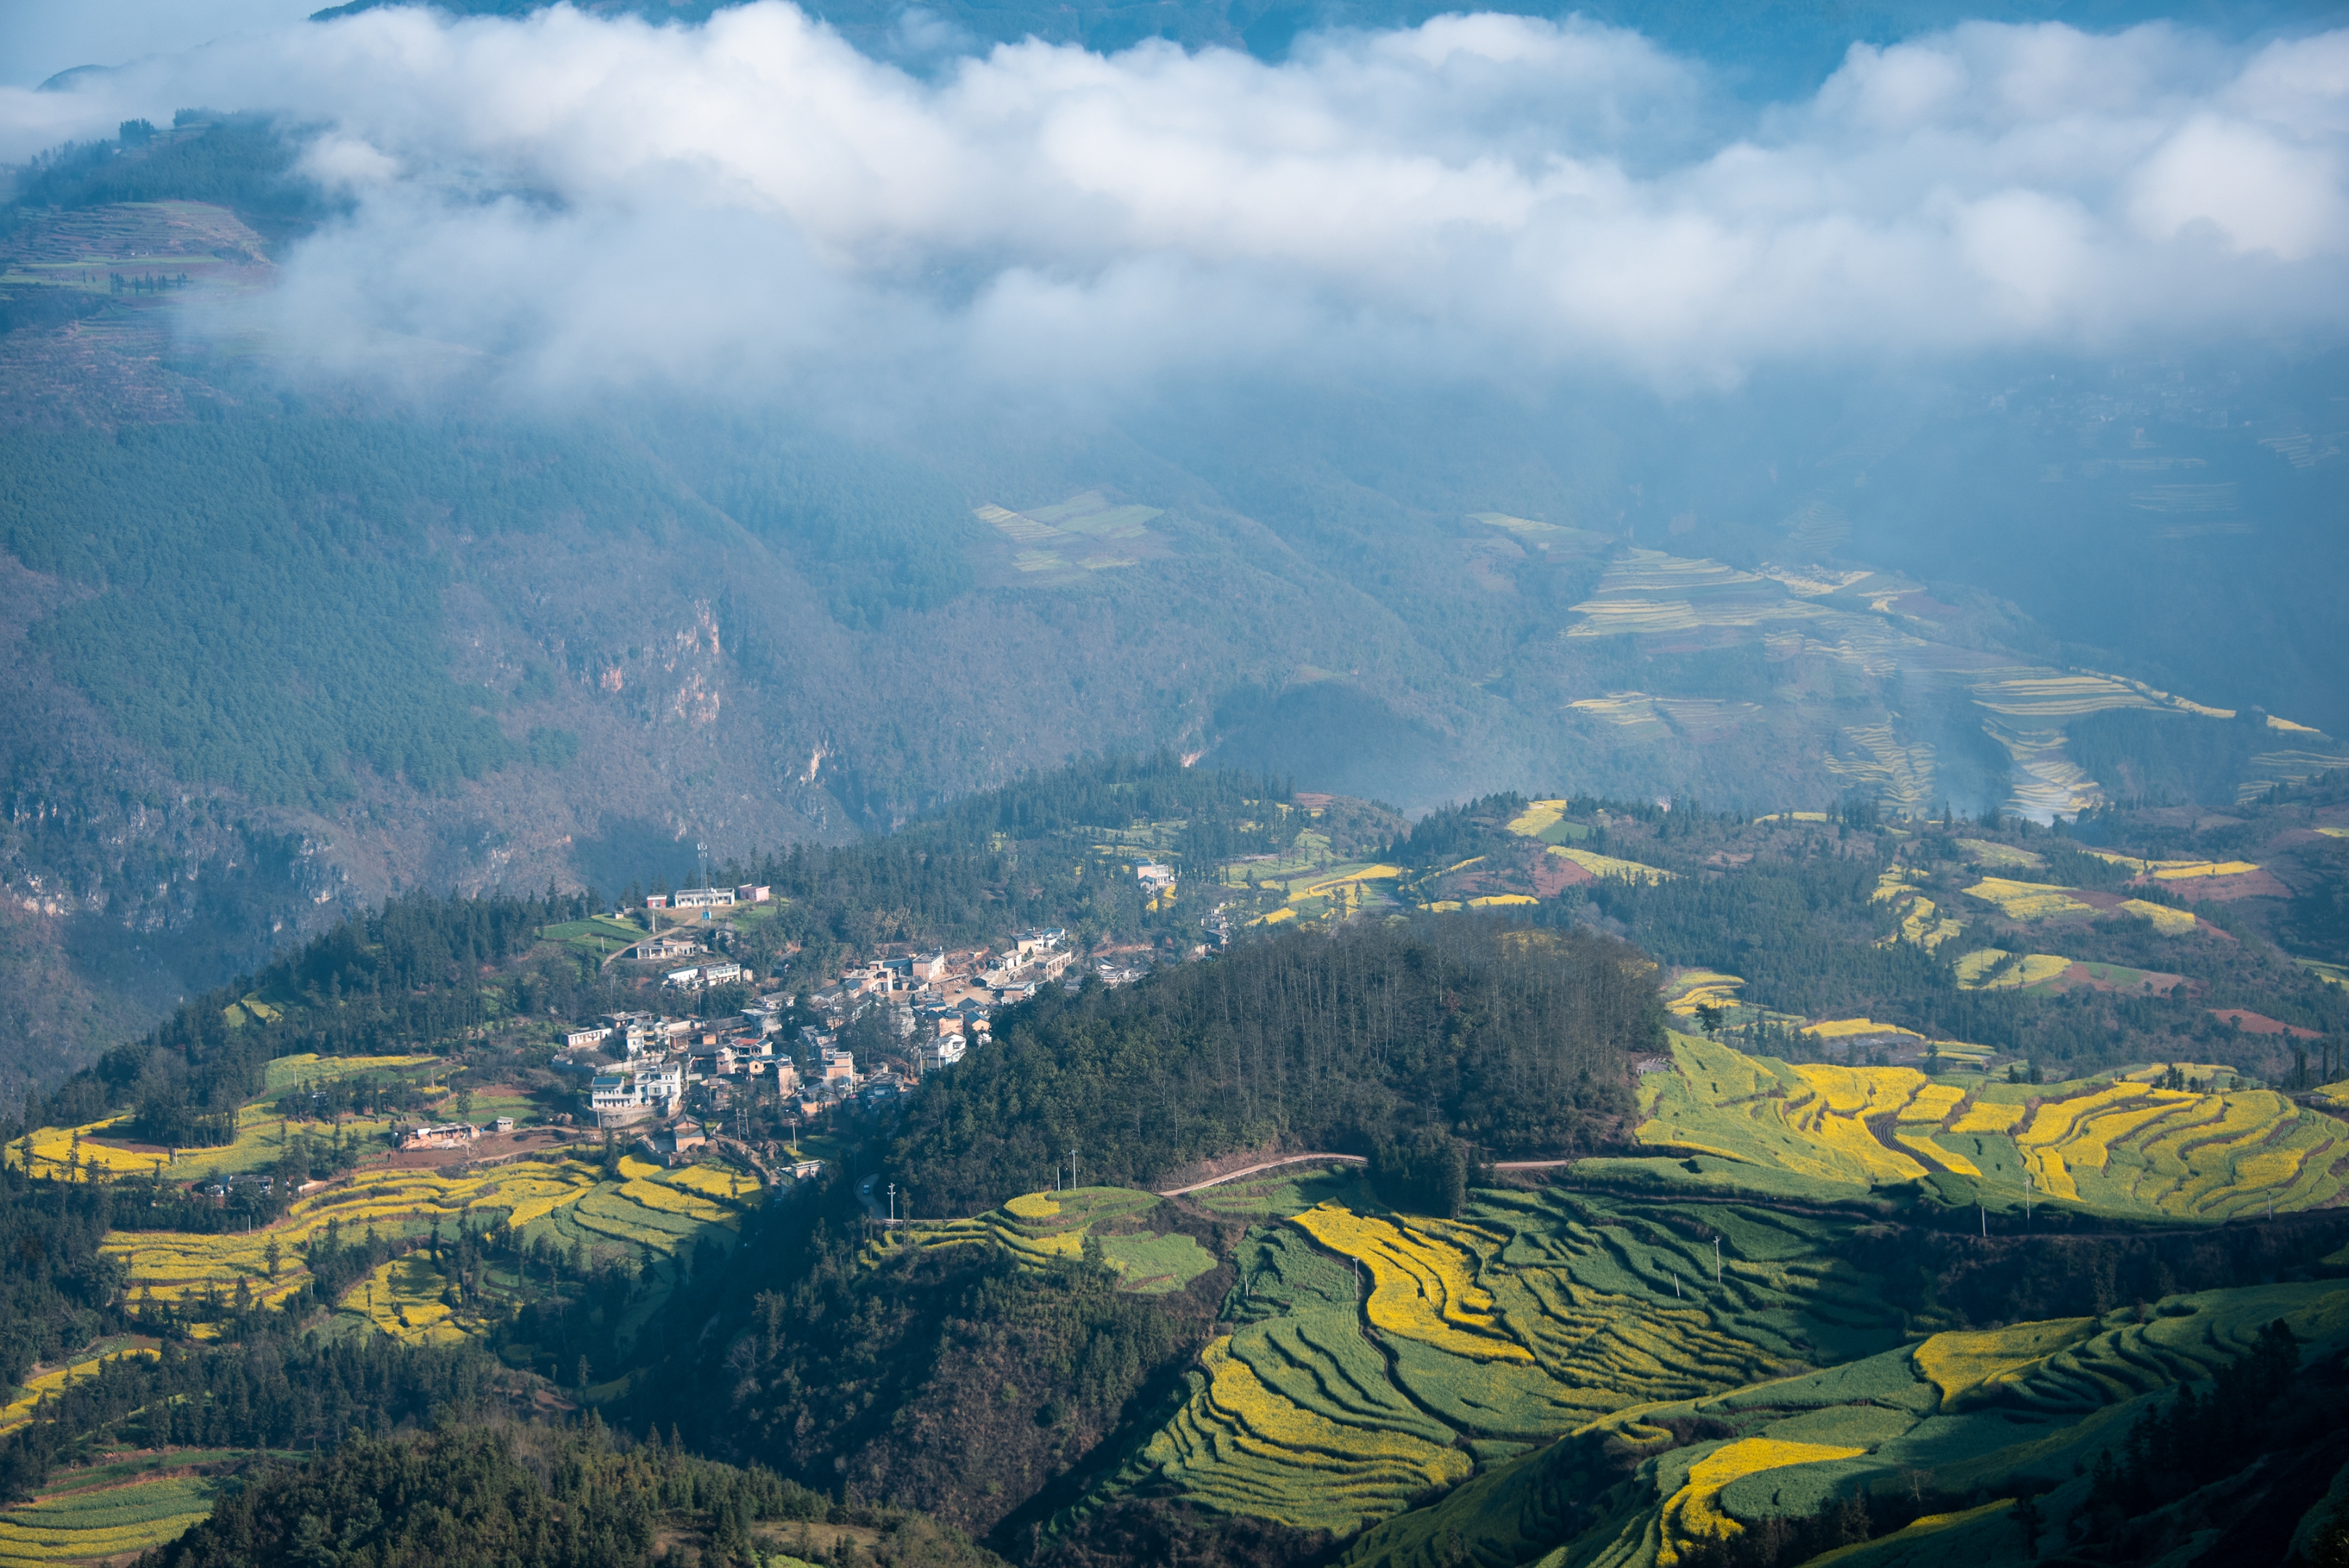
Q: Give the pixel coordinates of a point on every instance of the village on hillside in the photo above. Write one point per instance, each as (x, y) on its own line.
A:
(685, 1078)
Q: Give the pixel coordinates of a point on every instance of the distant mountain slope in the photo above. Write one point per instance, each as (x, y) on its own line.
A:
(284, 649)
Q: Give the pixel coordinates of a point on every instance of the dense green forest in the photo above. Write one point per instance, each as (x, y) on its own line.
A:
(1018, 857)
(958, 1381)
(875, 531)
(1515, 1040)
(266, 607)
(512, 1496)
(239, 160)
(2160, 759)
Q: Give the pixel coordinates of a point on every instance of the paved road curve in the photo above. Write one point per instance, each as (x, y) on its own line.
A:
(1348, 1159)
(1268, 1165)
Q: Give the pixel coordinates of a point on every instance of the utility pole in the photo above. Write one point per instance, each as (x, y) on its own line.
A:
(893, 1202)
(1716, 1260)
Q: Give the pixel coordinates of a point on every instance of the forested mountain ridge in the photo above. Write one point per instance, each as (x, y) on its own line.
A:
(571, 644)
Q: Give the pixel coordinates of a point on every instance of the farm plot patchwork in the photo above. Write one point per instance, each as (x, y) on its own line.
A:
(567, 1202)
(1337, 892)
(2027, 902)
(1974, 1409)
(1277, 1195)
(1338, 1399)
(73, 1153)
(1042, 1228)
(2124, 1144)
(2001, 857)
(1608, 866)
(1996, 969)
(115, 1508)
(172, 1265)
(1921, 921)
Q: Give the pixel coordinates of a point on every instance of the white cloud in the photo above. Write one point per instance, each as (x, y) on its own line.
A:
(2251, 188)
(593, 199)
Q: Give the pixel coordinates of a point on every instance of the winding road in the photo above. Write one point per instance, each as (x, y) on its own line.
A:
(1268, 1165)
(1347, 1159)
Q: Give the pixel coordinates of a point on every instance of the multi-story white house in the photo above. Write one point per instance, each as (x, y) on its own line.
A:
(625, 1097)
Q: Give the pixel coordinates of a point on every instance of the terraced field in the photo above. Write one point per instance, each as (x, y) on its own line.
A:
(1610, 867)
(2001, 857)
(261, 1130)
(115, 1508)
(1648, 591)
(648, 1208)
(1373, 1357)
(1995, 969)
(57, 1152)
(2178, 871)
(2026, 901)
(2121, 1144)
(1335, 892)
(1041, 1228)
(1970, 1408)
(171, 1265)
(1921, 920)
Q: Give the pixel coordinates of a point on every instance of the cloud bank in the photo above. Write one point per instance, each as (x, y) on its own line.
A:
(592, 200)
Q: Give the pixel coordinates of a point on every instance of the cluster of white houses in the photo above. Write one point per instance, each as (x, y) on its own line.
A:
(935, 1006)
(710, 897)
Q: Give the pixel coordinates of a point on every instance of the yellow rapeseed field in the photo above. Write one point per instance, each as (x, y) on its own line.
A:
(1924, 1143)
(2168, 922)
(1986, 1116)
(2176, 870)
(1424, 1288)
(49, 1151)
(1600, 865)
(175, 1265)
(1697, 988)
(1959, 1362)
(1849, 1028)
(402, 1299)
(2001, 857)
(1932, 1103)
(1973, 970)
(50, 1384)
(1862, 1091)
(2026, 901)
(1690, 1515)
(1536, 816)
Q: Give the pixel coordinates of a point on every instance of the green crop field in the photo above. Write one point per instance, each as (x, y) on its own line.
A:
(1372, 1357)
(1277, 1195)
(596, 936)
(646, 1211)
(1044, 1227)
(2119, 1144)
(1964, 1409)
(115, 1508)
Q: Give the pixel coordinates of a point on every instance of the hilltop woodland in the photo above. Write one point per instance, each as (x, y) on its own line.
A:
(1509, 1040)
